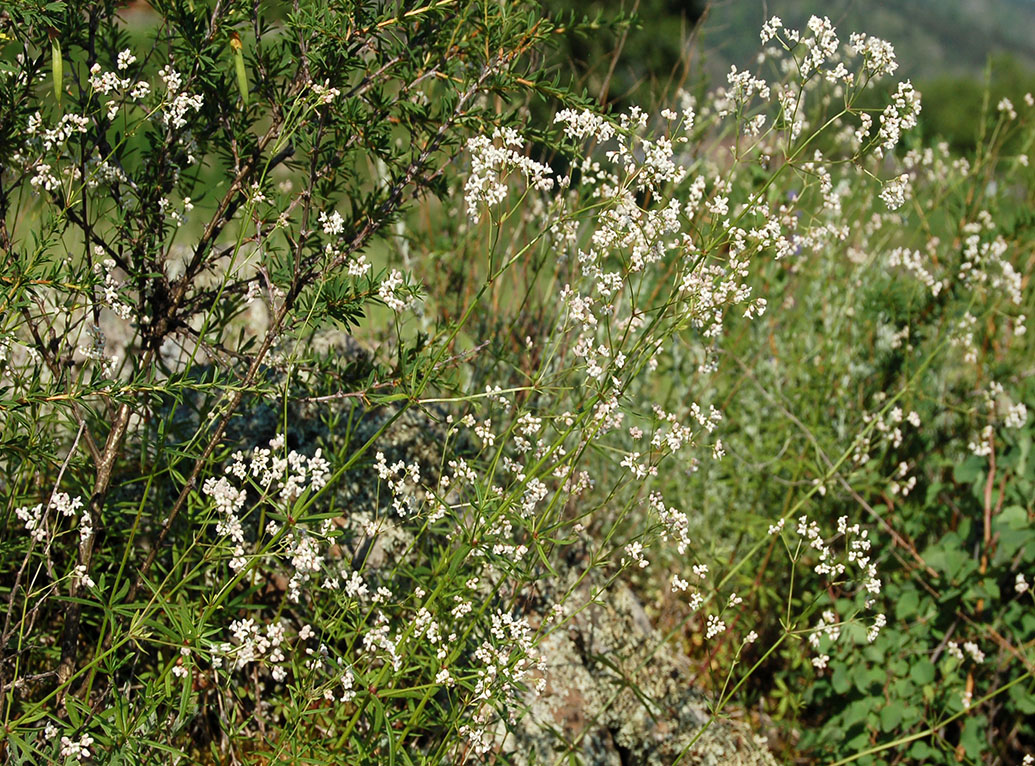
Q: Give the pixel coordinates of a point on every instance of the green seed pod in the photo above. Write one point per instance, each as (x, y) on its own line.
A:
(242, 75)
(56, 63)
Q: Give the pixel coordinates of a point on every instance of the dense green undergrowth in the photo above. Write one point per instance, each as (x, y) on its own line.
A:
(349, 358)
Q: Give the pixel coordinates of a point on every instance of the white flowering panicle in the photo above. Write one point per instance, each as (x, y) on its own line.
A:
(492, 160)
(393, 292)
(177, 100)
(898, 117)
(895, 192)
(278, 475)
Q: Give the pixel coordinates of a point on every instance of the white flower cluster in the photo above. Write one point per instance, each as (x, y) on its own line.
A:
(1021, 584)
(492, 160)
(878, 55)
(649, 220)
(179, 101)
(818, 50)
(900, 484)
(108, 83)
(648, 164)
(111, 296)
(1005, 107)
(820, 47)
(53, 167)
(1016, 415)
(287, 475)
(57, 136)
(290, 474)
(332, 224)
(44, 178)
(828, 628)
(324, 93)
(182, 668)
(358, 266)
(879, 622)
(506, 658)
(402, 481)
(896, 192)
(913, 262)
(580, 126)
(125, 59)
(64, 504)
(675, 523)
(744, 86)
(393, 292)
(770, 29)
(634, 551)
(34, 517)
(883, 428)
(76, 748)
(252, 644)
(714, 626)
(985, 262)
(672, 435)
(855, 556)
(970, 647)
(827, 625)
(899, 116)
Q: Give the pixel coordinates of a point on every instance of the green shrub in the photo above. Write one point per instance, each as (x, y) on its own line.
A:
(324, 404)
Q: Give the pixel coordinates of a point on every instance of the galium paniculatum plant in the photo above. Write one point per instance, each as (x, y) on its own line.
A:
(187, 221)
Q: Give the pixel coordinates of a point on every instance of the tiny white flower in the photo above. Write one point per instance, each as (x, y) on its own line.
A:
(1021, 584)
(125, 58)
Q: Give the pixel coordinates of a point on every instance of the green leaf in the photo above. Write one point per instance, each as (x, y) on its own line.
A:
(922, 672)
(921, 751)
(907, 606)
(840, 679)
(872, 677)
(857, 712)
(947, 558)
(1012, 517)
(1011, 541)
(57, 62)
(75, 711)
(969, 470)
(890, 716)
(972, 739)
(1023, 699)
(544, 558)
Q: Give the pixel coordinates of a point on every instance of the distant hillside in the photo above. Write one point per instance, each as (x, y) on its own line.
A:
(936, 40)
(932, 38)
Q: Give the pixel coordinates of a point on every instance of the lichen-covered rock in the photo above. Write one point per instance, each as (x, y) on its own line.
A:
(617, 694)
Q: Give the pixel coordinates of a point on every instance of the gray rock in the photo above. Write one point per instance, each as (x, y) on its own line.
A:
(615, 697)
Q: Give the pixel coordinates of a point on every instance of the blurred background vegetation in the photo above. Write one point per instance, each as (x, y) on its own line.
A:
(641, 50)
